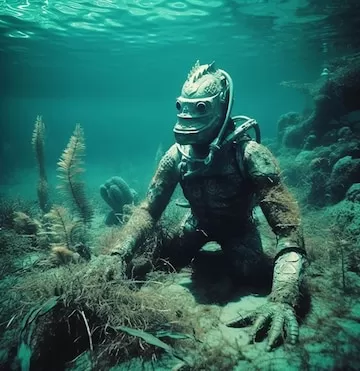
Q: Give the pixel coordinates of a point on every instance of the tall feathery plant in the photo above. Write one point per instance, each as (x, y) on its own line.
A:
(38, 143)
(70, 169)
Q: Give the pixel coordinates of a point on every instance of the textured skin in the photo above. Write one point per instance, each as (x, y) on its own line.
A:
(202, 81)
(278, 205)
(280, 317)
(149, 211)
(278, 312)
(287, 277)
(221, 200)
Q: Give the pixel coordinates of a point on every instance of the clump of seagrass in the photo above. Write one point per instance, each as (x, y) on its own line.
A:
(38, 140)
(148, 256)
(115, 321)
(31, 228)
(9, 206)
(20, 233)
(70, 168)
(61, 255)
(12, 247)
(66, 236)
(24, 224)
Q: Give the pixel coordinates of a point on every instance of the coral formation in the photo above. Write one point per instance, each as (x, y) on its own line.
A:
(285, 123)
(117, 193)
(345, 172)
(333, 99)
(327, 140)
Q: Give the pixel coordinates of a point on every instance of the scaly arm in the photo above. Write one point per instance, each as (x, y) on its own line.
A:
(283, 216)
(149, 211)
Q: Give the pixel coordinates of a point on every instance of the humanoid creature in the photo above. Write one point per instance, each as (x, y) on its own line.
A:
(224, 174)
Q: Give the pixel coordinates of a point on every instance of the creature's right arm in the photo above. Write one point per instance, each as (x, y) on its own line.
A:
(145, 216)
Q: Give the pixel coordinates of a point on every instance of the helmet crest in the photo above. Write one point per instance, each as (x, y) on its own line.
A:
(203, 80)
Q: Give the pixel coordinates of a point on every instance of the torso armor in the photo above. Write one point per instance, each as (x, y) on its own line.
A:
(220, 194)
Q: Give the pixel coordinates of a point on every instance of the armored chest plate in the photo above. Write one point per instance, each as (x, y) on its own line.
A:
(220, 192)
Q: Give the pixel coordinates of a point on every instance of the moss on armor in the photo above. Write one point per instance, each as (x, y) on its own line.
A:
(277, 203)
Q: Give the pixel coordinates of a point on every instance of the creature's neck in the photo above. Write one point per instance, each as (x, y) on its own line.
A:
(200, 150)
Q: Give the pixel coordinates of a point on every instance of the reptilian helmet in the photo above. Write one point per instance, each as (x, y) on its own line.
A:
(203, 106)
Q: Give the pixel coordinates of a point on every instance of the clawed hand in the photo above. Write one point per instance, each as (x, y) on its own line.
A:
(280, 317)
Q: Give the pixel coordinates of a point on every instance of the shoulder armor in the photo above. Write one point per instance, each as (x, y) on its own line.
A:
(260, 163)
(170, 159)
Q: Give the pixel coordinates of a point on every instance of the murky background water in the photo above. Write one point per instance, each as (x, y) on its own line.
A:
(117, 66)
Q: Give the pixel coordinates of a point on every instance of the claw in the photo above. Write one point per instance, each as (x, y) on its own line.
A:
(276, 329)
(242, 321)
(282, 317)
(292, 327)
(260, 322)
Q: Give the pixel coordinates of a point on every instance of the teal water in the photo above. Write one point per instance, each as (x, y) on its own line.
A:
(117, 66)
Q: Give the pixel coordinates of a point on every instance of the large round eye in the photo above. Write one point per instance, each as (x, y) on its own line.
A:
(178, 106)
(201, 107)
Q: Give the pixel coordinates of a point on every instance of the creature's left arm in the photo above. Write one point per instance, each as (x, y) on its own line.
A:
(282, 213)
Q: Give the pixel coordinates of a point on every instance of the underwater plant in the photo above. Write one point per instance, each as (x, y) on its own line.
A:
(24, 224)
(70, 168)
(61, 255)
(38, 140)
(9, 206)
(77, 312)
(62, 229)
(67, 237)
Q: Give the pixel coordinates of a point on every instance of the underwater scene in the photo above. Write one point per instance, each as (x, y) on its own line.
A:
(180, 185)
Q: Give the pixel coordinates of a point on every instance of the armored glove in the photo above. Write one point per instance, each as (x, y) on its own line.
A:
(278, 313)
